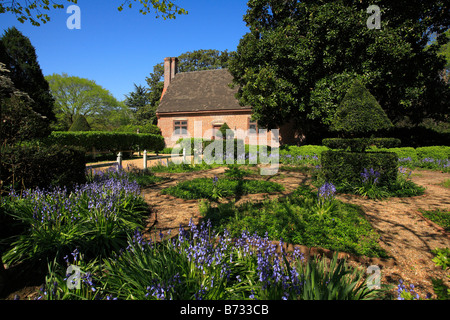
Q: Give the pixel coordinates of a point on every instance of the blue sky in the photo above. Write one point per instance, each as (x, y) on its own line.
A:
(117, 49)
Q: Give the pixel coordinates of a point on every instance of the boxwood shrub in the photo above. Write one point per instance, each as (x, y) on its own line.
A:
(112, 141)
(36, 165)
(309, 150)
(434, 152)
(340, 167)
(360, 144)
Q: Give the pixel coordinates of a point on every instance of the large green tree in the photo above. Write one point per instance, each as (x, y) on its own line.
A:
(76, 96)
(204, 59)
(19, 57)
(139, 102)
(36, 11)
(300, 58)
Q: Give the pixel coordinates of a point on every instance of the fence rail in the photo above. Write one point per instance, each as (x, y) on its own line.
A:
(145, 159)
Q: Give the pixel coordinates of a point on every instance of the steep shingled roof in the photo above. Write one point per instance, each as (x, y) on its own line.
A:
(200, 91)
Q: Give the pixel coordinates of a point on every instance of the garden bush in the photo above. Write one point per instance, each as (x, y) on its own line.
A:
(360, 144)
(33, 165)
(402, 153)
(359, 113)
(145, 128)
(309, 150)
(346, 167)
(103, 140)
(80, 124)
(433, 152)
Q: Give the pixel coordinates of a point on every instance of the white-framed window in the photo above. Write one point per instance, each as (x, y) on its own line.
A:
(252, 126)
(180, 127)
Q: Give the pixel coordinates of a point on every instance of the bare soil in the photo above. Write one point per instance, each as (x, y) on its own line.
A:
(406, 235)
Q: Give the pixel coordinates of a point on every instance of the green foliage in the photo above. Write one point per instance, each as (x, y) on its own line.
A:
(297, 220)
(441, 290)
(439, 217)
(202, 188)
(113, 141)
(31, 10)
(446, 183)
(333, 281)
(402, 153)
(76, 96)
(95, 218)
(341, 167)
(442, 257)
(18, 121)
(193, 266)
(223, 130)
(359, 113)
(143, 128)
(309, 150)
(140, 103)
(19, 56)
(434, 152)
(235, 172)
(299, 58)
(80, 124)
(32, 165)
(360, 144)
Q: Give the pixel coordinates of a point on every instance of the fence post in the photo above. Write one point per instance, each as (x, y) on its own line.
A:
(184, 155)
(119, 161)
(145, 159)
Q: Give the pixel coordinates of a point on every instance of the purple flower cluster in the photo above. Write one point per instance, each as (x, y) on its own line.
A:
(58, 206)
(370, 176)
(402, 291)
(273, 268)
(326, 192)
(162, 291)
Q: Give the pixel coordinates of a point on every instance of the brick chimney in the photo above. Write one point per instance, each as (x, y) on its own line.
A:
(170, 70)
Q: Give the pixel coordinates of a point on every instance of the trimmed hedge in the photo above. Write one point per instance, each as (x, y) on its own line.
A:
(113, 141)
(434, 152)
(309, 150)
(32, 165)
(340, 167)
(360, 144)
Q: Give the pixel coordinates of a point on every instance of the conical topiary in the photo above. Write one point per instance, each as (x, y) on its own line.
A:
(359, 113)
(80, 124)
(226, 135)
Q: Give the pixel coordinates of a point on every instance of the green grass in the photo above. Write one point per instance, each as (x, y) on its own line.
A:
(298, 219)
(439, 217)
(446, 183)
(204, 188)
(178, 168)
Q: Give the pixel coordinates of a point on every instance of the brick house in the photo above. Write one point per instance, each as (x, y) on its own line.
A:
(196, 104)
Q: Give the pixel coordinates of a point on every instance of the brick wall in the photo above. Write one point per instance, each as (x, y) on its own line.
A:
(236, 120)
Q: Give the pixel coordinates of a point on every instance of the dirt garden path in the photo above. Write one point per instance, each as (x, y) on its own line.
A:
(405, 233)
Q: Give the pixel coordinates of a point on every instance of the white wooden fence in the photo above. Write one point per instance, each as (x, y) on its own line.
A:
(145, 160)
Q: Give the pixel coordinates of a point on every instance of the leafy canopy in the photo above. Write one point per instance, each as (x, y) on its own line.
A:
(35, 11)
(79, 96)
(300, 58)
(19, 57)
